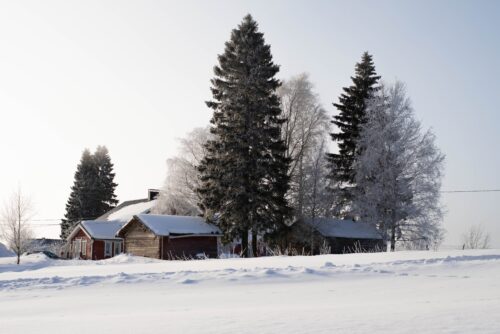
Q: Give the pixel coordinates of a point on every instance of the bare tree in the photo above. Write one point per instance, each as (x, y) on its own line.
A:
(317, 197)
(398, 172)
(179, 196)
(18, 210)
(305, 126)
(476, 238)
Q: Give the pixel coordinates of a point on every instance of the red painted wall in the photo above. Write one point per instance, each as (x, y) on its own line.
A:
(189, 247)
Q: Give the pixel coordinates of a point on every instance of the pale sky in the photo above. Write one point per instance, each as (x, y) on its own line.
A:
(134, 75)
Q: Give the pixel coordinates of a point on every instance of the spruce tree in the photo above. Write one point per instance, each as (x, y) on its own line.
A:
(106, 185)
(352, 114)
(244, 174)
(92, 193)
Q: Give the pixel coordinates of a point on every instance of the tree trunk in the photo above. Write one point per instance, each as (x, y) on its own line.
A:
(393, 238)
(18, 258)
(254, 244)
(244, 244)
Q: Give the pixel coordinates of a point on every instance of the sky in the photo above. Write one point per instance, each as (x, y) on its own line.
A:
(134, 76)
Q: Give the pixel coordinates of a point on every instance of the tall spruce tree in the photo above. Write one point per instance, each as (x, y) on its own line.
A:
(244, 174)
(92, 193)
(352, 114)
(106, 185)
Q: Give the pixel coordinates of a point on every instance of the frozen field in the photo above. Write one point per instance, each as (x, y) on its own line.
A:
(403, 292)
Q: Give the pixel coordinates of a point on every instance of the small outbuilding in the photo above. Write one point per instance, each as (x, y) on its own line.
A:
(94, 240)
(170, 237)
(347, 236)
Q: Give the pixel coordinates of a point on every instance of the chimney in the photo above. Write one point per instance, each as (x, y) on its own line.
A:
(153, 194)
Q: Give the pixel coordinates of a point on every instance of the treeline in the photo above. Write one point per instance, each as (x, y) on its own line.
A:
(263, 166)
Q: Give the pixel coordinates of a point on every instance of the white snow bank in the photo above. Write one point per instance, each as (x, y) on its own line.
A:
(4, 251)
(402, 292)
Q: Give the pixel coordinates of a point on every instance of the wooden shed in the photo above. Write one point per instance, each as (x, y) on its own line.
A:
(94, 240)
(170, 237)
(347, 236)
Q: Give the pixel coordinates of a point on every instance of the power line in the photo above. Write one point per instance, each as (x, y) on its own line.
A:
(471, 191)
(59, 219)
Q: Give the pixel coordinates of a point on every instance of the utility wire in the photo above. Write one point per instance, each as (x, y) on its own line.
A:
(471, 191)
(443, 191)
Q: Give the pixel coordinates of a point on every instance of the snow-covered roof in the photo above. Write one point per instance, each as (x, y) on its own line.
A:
(127, 210)
(331, 227)
(4, 251)
(102, 229)
(166, 225)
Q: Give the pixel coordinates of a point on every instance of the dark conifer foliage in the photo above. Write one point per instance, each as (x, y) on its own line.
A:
(106, 185)
(352, 113)
(244, 175)
(92, 193)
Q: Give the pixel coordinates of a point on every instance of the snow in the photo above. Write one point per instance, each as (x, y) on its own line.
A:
(344, 228)
(4, 251)
(102, 229)
(165, 225)
(402, 292)
(126, 213)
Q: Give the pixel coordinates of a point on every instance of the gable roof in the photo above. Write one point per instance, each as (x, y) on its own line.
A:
(166, 225)
(98, 229)
(102, 229)
(339, 228)
(126, 210)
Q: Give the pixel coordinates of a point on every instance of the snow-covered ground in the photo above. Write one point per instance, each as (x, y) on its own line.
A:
(403, 292)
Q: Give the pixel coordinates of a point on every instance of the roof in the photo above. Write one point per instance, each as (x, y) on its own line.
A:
(98, 229)
(102, 229)
(338, 228)
(165, 225)
(126, 210)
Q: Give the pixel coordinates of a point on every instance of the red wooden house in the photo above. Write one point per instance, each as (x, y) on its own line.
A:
(94, 240)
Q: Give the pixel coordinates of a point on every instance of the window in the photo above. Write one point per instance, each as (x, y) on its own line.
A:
(84, 247)
(107, 248)
(118, 247)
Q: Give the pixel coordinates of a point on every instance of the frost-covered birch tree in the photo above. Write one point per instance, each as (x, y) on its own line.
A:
(398, 172)
(306, 124)
(178, 195)
(17, 212)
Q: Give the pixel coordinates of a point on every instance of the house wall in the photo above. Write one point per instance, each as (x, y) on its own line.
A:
(72, 253)
(189, 247)
(347, 245)
(139, 241)
(98, 249)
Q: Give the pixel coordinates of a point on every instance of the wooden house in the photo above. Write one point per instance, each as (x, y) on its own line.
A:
(346, 236)
(94, 240)
(170, 237)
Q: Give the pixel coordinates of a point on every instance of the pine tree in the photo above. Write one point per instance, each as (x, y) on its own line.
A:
(352, 114)
(92, 193)
(244, 174)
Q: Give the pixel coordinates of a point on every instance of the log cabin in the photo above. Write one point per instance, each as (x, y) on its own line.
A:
(170, 237)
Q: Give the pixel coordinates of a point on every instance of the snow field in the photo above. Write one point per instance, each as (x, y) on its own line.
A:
(403, 292)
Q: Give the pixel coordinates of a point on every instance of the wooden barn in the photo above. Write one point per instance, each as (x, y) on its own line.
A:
(94, 240)
(170, 237)
(347, 236)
